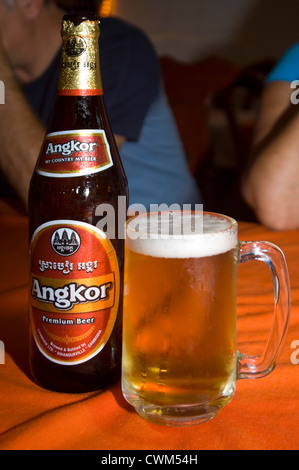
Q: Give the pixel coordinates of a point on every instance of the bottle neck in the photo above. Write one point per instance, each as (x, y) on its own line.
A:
(80, 63)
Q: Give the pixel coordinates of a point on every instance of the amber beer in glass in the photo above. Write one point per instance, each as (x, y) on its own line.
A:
(180, 360)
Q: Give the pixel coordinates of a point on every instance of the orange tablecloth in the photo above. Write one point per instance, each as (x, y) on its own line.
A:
(263, 415)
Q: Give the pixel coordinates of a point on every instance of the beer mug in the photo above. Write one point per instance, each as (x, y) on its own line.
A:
(180, 361)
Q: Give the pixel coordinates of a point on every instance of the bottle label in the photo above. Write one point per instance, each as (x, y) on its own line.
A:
(74, 290)
(74, 153)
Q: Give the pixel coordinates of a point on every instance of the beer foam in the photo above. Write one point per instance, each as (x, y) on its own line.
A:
(191, 235)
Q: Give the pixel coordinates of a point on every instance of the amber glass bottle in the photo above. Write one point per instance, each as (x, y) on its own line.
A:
(75, 193)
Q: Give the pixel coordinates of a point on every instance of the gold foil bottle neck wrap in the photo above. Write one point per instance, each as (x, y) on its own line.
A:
(80, 63)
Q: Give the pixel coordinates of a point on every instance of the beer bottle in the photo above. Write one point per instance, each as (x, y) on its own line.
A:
(76, 268)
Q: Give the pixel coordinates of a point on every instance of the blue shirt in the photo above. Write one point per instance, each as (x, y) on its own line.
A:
(287, 68)
(163, 175)
(152, 156)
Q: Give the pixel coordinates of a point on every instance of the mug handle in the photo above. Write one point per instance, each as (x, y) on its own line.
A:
(259, 366)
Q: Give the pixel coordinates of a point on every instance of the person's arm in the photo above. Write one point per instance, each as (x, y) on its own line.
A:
(21, 133)
(271, 185)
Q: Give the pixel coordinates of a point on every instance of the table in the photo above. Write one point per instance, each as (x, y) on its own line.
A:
(263, 415)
